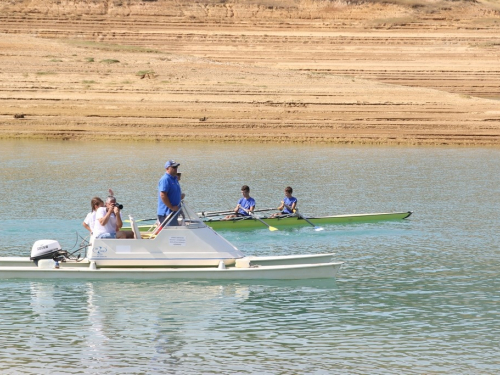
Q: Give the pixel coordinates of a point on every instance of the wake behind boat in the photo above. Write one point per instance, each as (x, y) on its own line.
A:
(183, 248)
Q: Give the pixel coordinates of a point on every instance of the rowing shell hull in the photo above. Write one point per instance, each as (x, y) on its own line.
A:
(251, 223)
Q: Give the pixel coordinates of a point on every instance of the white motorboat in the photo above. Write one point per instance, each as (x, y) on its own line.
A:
(183, 247)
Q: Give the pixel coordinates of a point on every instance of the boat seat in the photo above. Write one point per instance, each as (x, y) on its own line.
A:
(137, 232)
(151, 232)
(135, 228)
(149, 235)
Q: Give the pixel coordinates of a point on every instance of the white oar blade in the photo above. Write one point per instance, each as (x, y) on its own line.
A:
(318, 229)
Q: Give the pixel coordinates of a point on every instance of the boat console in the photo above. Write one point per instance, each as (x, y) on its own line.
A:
(182, 240)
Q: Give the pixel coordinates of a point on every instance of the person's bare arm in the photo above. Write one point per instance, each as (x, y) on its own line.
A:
(104, 220)
(119, 222)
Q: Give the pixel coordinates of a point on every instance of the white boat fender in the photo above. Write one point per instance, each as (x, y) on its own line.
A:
(92, 266)
(221, 266)
(243, 262)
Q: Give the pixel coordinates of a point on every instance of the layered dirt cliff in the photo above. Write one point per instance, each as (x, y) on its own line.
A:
(416, 72)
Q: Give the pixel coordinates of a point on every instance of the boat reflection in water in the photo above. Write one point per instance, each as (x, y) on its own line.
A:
(158, 324)
(92, 316)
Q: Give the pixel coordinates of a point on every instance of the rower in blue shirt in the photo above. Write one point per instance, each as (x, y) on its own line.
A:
(245, 204)
(288, 204)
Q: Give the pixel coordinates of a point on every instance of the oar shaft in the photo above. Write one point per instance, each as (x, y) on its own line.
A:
(259, 219)
(228, 212)
(212, 213)
(306, 219)
(146, 220)
(301, 216)
(137, 221)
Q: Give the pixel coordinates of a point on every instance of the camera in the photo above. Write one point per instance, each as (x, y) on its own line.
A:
(120, 206)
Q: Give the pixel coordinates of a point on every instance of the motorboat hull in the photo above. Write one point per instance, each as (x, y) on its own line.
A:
(280, 260)
(255, 272)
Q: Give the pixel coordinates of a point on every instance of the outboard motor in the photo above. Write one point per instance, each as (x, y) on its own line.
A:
(47, 249)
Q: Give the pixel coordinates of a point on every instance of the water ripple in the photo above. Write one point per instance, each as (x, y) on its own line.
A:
(417, 296)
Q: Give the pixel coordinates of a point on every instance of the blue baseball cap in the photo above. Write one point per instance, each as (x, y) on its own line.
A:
(171, 163)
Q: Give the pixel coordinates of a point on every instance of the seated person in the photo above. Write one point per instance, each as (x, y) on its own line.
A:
(108, 221)
(245, 205)
(89, 221)
(288, 203)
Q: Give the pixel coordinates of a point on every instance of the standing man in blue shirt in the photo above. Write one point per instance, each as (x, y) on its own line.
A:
(169, 191)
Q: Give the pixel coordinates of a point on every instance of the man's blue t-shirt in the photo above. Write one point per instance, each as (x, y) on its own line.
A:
(288, 202)
(247, 204)
(169, 185)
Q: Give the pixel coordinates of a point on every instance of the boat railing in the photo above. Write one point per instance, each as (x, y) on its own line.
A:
(184, 217)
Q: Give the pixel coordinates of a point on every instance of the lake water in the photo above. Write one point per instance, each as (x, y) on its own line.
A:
(417, 296)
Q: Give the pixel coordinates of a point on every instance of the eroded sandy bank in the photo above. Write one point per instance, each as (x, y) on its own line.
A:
(244, 71)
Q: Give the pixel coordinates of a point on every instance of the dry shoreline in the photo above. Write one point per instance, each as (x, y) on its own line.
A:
(302, 71)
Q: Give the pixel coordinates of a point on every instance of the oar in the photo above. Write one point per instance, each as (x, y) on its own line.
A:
(228, 212)
(272, 229)
(137, 221)
(316, 228)
(215, 213)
